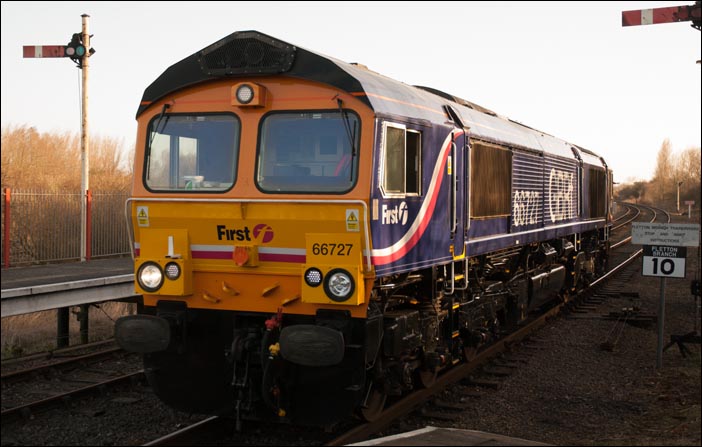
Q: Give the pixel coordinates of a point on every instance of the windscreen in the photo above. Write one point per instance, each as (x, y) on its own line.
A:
(192, 153)
(308, 152)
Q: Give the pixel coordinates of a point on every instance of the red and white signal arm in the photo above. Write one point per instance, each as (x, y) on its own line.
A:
(44, 51)
(684, 13)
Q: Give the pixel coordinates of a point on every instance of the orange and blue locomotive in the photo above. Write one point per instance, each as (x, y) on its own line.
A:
(311, 237)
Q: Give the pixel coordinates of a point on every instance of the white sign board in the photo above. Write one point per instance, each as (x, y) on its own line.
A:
(665, 261)
(678, 235)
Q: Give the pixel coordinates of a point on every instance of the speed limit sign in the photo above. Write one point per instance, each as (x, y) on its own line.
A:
(668, 262)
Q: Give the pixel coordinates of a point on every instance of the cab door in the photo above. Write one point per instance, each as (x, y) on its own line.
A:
(457, 172)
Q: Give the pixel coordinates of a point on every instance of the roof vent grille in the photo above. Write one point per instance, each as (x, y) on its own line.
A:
(247, 52)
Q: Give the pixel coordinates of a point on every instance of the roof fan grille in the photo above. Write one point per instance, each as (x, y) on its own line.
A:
(246, 54)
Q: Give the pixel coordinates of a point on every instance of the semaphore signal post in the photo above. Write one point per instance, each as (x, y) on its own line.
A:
(78, 50)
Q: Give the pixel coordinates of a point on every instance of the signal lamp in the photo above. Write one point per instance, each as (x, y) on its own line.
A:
(75, 48)
(77, 51)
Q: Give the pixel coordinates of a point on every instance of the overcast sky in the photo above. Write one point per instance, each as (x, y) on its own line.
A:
(566, 68)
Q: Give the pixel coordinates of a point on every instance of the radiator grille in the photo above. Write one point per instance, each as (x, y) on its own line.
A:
(527, 191)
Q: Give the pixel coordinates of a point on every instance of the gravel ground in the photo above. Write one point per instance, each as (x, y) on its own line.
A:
(571, 391)
(127, 416)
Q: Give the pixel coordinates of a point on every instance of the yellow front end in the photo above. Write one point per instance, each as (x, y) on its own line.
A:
(234, 201)
(253, 256)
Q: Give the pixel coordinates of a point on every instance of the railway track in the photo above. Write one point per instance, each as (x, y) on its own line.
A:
(37, 383)
(23, 368)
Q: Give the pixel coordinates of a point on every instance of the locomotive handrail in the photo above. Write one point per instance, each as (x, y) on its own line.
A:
(127, 213)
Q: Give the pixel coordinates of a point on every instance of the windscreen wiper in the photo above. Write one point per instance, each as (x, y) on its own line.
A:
(351, 135)
(158, 123)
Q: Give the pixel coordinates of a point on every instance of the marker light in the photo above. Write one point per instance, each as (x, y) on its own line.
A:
(248, 94)
(172, 271)
(150, 277)
(244, 94)
(313, 277)
(339, 285)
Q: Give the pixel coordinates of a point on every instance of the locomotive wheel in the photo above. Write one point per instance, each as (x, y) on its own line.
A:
(374, 405)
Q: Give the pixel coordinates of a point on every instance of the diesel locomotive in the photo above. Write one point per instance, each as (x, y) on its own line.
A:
(311, 238)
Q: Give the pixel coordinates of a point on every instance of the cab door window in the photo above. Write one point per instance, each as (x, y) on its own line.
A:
(401, 161)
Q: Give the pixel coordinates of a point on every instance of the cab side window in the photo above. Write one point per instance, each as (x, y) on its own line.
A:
(401, 171)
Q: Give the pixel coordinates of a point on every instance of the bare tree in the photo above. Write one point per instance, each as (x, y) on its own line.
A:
(51, 161)
(663, 174)
(44, 172)
(687, 168)
(671, 169)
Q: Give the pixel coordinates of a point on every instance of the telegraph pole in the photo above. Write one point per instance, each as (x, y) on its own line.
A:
(78, 49)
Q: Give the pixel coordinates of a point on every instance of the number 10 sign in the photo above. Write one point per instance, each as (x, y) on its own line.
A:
(668, 262)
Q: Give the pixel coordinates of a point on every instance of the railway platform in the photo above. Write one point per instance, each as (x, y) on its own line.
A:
(59, 286)
(38, 275)
(447, 436)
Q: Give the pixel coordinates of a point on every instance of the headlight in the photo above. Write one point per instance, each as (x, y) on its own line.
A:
(172, 271)
(339, 285)
(150, 277)
(313, 277)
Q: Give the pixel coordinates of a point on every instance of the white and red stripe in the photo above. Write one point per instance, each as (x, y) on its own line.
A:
(266, 254)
